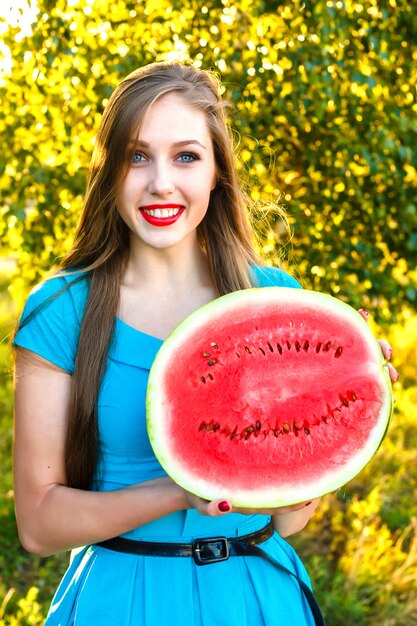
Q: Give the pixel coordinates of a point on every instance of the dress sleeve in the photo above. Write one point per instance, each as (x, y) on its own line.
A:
(266, 276)
(51, 320)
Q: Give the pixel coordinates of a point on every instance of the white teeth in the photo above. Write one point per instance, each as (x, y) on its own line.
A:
(161, 212)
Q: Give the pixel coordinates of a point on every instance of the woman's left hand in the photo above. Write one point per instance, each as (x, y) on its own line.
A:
(386, 350)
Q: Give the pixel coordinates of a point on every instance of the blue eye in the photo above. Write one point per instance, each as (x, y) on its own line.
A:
(188, 157)
(137, 158)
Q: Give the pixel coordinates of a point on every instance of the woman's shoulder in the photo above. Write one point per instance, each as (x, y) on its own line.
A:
(60, 291)
(65, 283)
(267, 276)
(52, 316)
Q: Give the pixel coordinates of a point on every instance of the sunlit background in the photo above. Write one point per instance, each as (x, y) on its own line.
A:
(324, 117)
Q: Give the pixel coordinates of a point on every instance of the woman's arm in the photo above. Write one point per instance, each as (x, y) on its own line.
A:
(287, 524)
(51, 516)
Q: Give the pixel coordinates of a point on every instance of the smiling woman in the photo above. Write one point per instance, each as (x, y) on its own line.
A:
(163, 231)
(168, 184)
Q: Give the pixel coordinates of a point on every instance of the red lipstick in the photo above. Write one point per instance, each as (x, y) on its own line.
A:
(157, 218)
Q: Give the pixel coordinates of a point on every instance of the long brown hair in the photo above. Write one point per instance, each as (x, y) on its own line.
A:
(101, 242)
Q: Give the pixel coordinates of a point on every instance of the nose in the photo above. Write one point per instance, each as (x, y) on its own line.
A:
(161, 182)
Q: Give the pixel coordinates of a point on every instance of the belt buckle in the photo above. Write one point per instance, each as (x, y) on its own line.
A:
(210, 550)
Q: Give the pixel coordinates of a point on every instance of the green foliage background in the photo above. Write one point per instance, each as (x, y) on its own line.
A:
(324, 115)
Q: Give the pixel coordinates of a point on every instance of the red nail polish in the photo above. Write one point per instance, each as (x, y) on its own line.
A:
(365, 312)
(223, 506)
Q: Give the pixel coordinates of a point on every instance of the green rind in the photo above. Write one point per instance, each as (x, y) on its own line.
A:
(272, 497)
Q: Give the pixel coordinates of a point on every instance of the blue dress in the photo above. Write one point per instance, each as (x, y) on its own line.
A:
(107, 588)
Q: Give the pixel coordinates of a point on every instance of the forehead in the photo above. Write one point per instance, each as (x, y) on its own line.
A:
(172, 118)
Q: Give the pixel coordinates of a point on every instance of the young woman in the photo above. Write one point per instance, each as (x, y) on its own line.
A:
(163, 231)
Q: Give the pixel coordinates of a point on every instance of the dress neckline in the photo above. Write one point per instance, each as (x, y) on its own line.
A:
(136, 330)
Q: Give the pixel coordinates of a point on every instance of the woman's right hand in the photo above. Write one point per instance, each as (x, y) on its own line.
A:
(287, 520)
(219, 507)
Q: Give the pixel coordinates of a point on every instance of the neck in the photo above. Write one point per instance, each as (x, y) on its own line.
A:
(171, 270)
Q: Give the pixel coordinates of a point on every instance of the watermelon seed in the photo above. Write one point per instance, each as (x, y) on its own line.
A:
(327, 346)
(271, 349)
(211, 362)
(247, 350)
(335, 413)
(238, 355)
(211, 376)
(263, 351)
(288, 345)
(297, 346)
(206, 354)
(214, 345)
(203, 380)
(306, 345)
(279, 348)
(334, 416)
(318, 347)
(343, 400)
(338, 352)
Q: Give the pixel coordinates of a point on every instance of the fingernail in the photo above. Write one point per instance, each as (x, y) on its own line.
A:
(223, 506)
(365, 312)
(396, 374)
(308, 503)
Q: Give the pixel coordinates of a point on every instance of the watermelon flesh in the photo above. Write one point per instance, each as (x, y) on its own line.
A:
(268, 397)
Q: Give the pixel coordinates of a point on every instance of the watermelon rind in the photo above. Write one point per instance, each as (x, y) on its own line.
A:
(158, 406)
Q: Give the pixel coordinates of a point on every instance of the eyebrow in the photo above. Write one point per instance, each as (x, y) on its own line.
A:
(176, 144)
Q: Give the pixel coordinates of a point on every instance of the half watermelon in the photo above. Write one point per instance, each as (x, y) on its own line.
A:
(268, 397)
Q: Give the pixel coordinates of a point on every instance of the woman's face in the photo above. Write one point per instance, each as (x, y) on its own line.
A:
(166, 192)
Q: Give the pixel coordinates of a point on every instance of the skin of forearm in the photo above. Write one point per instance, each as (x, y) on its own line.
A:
(67, 518)
(293, 522)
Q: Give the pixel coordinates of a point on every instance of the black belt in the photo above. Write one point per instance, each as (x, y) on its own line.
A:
(212, 550)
